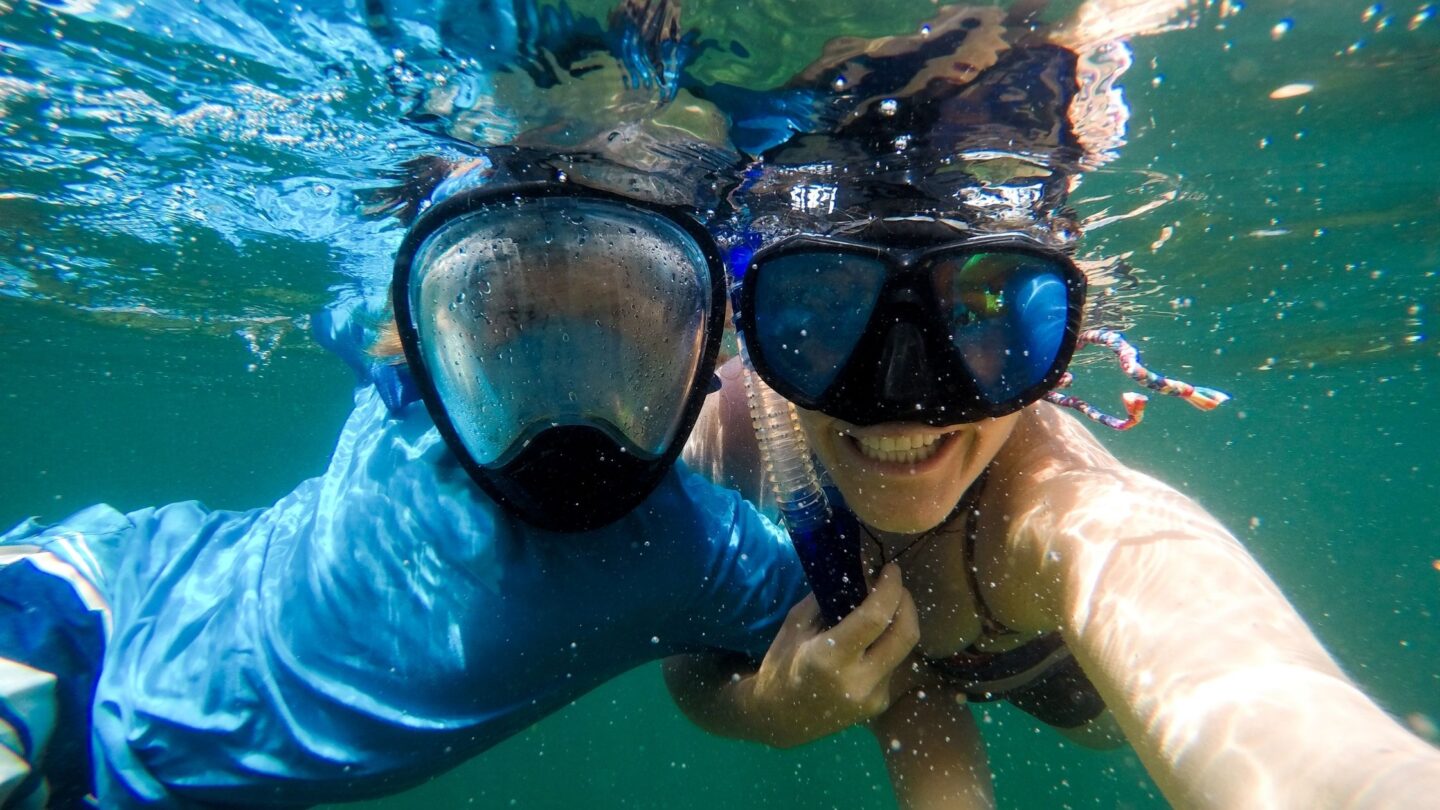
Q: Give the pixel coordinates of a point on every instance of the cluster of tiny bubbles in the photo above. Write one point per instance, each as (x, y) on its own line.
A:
(261, 342)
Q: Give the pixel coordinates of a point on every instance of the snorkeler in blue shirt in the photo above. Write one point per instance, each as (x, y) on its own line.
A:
(500, 530)
(497, 533)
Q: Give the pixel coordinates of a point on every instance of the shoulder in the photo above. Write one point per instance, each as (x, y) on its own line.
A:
(1065, 503)
(722, 447)
(1055, 466)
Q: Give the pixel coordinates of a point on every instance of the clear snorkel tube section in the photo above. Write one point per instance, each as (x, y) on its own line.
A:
(825, 536)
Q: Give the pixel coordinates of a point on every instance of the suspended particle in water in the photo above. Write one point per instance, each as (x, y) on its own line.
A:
(1291, 90)
(1419, 723)
(1369, 13)
(889, 106)
(1281, 29)
(1426, 12)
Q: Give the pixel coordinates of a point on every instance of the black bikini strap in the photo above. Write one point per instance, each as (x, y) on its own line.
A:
(991, 626)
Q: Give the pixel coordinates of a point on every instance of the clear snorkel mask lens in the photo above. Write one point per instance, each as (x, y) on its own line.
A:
(561, 337)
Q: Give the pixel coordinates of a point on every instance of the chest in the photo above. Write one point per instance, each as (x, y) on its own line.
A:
(945, 581)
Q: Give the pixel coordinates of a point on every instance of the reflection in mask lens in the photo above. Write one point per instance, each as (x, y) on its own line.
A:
(1007, 314)
(810, 312)
(561, 311)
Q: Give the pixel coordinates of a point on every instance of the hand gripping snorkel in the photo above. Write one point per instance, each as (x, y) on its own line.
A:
(1206, 399)
(826, 537)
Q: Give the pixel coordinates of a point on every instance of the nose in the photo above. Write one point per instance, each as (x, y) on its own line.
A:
(903, 365)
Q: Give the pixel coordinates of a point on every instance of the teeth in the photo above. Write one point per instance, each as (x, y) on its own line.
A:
(910, 449)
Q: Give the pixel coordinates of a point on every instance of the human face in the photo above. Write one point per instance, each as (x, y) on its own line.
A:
(907, 490)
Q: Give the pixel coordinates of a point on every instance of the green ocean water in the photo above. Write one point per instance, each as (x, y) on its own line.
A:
(1298, 268)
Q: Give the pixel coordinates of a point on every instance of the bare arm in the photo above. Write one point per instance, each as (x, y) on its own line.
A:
(1226, 695)
(934, 752)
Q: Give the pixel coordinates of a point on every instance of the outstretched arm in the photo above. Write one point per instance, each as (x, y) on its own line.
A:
(1225, 693)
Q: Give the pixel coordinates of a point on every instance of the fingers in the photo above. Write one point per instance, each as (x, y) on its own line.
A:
(801, 623)
(805, 615)
(899, 638)
(856, 632)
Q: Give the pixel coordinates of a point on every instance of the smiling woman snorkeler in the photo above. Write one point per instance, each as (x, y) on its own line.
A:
(919, 311)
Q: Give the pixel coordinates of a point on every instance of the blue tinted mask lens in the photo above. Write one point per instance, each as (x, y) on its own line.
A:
(1007, 314)
(810, 311)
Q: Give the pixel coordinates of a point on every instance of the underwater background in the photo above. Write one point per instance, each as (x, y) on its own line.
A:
(178, 186)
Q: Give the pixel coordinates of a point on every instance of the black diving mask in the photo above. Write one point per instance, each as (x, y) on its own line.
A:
(869, 333)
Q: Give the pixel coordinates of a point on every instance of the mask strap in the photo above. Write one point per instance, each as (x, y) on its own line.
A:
(1205, 399)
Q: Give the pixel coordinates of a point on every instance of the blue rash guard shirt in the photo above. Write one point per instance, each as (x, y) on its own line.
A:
(385, 621)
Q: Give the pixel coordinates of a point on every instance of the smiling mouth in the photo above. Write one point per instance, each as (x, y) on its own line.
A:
(903, 449)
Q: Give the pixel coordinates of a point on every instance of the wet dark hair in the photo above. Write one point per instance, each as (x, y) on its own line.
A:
(410, 187)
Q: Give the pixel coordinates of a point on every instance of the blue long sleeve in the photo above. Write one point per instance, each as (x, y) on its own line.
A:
(386, 621)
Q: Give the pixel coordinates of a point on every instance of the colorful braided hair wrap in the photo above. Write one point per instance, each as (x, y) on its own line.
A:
(1206, 399)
